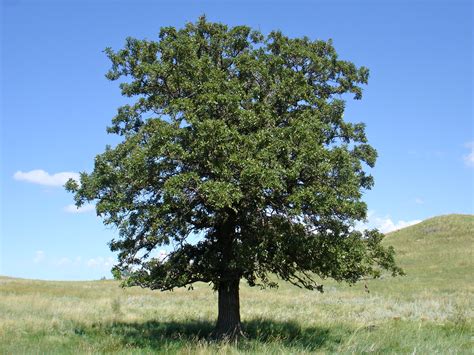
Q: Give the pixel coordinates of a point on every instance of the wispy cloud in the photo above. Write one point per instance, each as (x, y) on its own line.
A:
(83, 209)
(42, 177)
(63, 261)
(419, 201)
(100, 262)
(39, 256)
(469, 158)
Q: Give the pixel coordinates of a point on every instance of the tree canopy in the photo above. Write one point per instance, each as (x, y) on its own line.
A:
(236, 154)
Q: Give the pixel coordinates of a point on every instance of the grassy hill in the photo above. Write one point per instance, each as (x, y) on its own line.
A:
(428, 311)
(437, 254)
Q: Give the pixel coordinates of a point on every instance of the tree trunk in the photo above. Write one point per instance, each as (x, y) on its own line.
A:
(228, 320)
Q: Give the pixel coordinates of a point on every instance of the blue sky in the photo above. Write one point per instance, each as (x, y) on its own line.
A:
(56, 103)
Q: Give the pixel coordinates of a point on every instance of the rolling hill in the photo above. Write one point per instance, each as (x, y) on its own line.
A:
(437, 253)
(427, 311)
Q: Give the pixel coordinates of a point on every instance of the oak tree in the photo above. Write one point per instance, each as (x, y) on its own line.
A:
(235, 154)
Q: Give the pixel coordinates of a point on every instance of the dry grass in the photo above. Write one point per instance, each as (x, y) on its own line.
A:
(428, 311)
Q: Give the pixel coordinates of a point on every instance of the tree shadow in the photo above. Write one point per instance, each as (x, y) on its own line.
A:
(155, 335)
(293, 334)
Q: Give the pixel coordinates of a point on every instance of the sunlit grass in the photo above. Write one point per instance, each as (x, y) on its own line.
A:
(428, 311)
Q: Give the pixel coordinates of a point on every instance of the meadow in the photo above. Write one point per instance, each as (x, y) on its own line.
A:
(428, 311)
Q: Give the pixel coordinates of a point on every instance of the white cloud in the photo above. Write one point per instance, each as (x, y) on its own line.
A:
(39, 256)
(63, 261)
(83, 209)
(100, 262)
(469, 158)
(92, 262)
(384, 224)
(419, 201)
(42, 177)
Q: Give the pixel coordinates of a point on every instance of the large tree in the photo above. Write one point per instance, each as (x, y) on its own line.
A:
(235, 153)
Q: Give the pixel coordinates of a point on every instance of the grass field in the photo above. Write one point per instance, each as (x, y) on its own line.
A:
(428, 311)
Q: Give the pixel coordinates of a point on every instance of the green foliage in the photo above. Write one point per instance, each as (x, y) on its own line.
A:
(239, 138)
(116, 273)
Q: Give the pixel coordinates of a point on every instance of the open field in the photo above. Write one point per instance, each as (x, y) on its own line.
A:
(428, 311)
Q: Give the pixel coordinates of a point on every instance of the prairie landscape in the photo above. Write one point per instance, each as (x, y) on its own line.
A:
(427, 311)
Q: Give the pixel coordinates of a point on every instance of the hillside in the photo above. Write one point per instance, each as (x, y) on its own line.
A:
(426, 311)
(436, 253)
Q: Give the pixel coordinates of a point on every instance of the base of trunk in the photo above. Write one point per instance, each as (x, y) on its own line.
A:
(230, 335)
(228, 326)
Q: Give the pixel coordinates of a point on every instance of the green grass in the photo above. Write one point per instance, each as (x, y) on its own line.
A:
(428, 311)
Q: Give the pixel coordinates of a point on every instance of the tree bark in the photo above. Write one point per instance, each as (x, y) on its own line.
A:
(228, 320)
